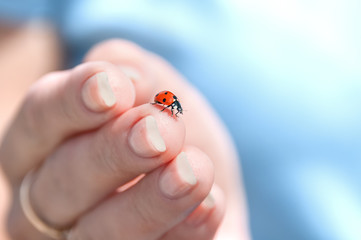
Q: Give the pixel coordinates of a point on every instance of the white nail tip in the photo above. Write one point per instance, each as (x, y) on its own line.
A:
(105, 90)
(130, 72)
(154, 135)
(209, 201)
(185, 170)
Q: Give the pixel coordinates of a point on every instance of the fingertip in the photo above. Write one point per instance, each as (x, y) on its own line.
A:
(160, 127)
(104, 87)
(177, 178)
(203, 168)
(146, 136)
(219, 209)
(210, 211)
(188, 178)
(132, 60)
(204, 221)
(97, 94)
(145, 139)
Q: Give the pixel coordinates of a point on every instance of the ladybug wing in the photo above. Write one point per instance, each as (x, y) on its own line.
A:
(164, 97)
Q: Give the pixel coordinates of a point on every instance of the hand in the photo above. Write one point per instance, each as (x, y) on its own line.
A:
(95, 141)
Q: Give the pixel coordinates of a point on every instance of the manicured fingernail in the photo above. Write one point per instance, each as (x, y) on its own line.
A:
(204, 209)
(131, 72)
(97, 93)
(209, 201)
(178, 177)
(145, 138)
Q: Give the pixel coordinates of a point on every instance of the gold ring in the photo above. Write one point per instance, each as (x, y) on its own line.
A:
(30, 214)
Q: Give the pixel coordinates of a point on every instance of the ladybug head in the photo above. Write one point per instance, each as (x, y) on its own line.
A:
(179, 107)
(180, 110)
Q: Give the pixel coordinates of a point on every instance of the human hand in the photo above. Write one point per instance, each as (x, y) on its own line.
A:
(204, 130)
(92, 147)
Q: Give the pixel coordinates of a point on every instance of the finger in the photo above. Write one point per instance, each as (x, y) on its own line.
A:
(153, 206)
(132, 60)
(203, 222)
(87, 169)
(60, 105)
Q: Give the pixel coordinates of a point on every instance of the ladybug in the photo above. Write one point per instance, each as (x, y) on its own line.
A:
(168, 99)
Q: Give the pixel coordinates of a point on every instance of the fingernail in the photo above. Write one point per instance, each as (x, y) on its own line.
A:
(131, 73)
(204, 209)
(178, 177)
(145, 139)
(209, 201)
(97, 93)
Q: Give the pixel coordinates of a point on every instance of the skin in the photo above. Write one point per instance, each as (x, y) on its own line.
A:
(73, 145)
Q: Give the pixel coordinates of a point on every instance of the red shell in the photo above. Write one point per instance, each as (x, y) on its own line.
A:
(164, 97)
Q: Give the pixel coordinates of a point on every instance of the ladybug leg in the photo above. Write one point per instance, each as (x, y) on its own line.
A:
(156, 103)
(179, 111)
(173, 106)
(165, 108)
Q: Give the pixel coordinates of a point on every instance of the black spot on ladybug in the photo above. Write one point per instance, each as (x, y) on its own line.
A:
(175, 97)
(157, 95)
(166, 93)
(164, 99)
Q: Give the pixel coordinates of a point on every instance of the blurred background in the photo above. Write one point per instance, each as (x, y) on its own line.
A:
(285, 77)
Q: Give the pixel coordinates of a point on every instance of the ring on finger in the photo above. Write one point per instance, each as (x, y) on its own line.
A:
(30, 214)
